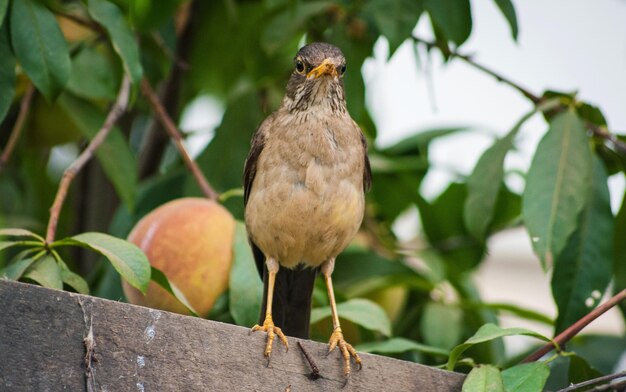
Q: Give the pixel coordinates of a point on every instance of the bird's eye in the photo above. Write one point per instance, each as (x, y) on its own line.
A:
(342, 69)
(300, 66)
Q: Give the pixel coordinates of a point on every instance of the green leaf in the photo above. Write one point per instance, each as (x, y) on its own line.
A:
(11, 232)
(40, 47)
(418, 143)
(73, 280)
(360, 311)
(591, 113)
(394, 19)
(434, 316)
(557, 184)
(7, 66)
(111, 18)
(46, 272)
(582, 270)
(443, 225)
(285, 25)
(94, 75)
(245, 286)
(483, 378)
(8, 244)
(580, 370)
(358, 272)
(487, 333)
(159, 278)
(508, 10)
(484, 184)
(4, 5)
(602, 352)
(115, 156)
(15, 270)
(399, 346)
(527, 377)
(527, 314)
(453, 18)
(129, 261)
(147, 16)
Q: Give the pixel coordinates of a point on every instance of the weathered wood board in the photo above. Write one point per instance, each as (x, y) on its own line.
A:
(43, 348)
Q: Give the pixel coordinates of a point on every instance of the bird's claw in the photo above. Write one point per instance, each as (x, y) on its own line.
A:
(272, 331)
(347, 351)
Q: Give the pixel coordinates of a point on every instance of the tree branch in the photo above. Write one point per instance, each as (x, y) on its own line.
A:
(468, 59)
(534, 98)
(593, 381)
(177, 138)
(118, 108)
(575, 328)
(25, 105)
(603, 133)
(187, 22)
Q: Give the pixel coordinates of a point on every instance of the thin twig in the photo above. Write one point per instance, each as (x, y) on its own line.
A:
(468, 59)
(118, 108)
(593, 381)
(315, 371)
(79, 20)
(25, 105)
(570, 332)
(177, 138)
(615, 386)
(158, 39)
(603, 133)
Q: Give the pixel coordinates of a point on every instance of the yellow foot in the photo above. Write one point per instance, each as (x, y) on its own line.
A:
(272, 331)
(347, 351)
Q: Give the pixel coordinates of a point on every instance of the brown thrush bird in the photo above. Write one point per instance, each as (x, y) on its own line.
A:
(304, 183)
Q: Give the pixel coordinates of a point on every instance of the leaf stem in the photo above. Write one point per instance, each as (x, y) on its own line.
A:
(177, 138)
(25, 105)
(575, 328)
(118, 108)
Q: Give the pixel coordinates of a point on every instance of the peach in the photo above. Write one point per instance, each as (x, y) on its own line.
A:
(190, 240)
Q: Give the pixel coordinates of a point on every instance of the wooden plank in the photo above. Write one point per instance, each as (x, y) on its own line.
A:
(42, 348)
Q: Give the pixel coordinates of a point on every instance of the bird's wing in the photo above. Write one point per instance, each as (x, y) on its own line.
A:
(293, 288)
(367, 170)
(249, 170)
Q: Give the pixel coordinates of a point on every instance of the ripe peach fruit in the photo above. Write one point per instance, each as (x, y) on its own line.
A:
(190, 240)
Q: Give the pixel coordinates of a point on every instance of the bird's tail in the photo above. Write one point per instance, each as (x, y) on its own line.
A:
(293, 290)
(291, 307)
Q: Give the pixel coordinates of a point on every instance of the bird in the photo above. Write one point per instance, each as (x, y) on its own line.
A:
(305, 179)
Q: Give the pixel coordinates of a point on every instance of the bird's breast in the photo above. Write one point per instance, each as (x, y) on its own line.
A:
(307, 198)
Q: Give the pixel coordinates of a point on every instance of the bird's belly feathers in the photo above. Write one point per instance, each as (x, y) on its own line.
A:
(306, 214)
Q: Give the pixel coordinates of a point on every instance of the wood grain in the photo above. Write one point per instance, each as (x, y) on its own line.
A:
(42, 348)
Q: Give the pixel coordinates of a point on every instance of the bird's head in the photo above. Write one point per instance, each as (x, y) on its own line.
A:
(317, 79)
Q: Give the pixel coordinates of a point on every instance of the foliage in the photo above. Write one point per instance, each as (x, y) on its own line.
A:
(76, 53)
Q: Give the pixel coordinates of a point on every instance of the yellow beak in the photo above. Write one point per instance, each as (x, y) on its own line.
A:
(325, 68)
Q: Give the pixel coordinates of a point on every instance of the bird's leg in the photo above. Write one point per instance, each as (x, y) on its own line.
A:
(268, 324)
(336, 339)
